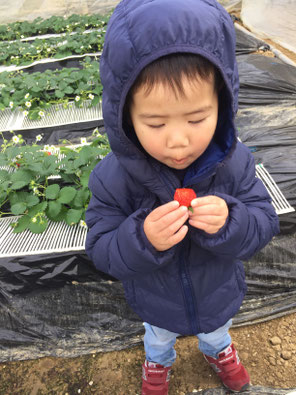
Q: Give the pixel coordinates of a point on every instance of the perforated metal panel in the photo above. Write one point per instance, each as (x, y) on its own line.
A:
(58, 237)
(55, 116)
(280, 203)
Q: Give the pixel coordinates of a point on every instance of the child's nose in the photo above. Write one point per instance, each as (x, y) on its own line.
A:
(177, 139)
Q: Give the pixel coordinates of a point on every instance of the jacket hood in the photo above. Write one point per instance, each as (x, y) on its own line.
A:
(140, 31)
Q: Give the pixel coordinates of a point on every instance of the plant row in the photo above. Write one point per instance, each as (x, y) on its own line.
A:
(34, 93)
(52, 25)
(27, 187)
(22, 53)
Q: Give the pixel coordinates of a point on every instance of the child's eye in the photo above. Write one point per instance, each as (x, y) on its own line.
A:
(196, 122)
(156, 126)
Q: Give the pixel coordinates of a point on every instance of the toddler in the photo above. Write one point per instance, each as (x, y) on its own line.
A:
(170, 95)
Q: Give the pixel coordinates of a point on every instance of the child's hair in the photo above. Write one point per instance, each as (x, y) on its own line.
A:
(169, 70)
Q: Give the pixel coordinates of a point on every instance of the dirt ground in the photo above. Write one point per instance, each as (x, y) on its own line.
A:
(268, 350)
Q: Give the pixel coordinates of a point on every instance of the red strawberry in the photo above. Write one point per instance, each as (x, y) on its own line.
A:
(184, 196)
(18, 164)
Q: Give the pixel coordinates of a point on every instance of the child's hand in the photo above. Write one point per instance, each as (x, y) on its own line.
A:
(209, 213)
(163, 226)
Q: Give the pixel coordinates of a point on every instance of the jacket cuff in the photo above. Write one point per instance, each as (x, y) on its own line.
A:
(137, 249)
(228, 239)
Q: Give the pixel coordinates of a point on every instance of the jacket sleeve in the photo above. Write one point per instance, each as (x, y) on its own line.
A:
(252, 220)
(116, 241)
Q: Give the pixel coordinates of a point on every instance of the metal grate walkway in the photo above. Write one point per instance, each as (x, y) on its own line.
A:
(55, 116)
(279, 202)
(58, 237)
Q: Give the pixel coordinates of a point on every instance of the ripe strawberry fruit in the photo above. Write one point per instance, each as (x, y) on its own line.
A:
(184, 196)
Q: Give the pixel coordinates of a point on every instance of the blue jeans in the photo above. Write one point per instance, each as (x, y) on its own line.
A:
(159, 343)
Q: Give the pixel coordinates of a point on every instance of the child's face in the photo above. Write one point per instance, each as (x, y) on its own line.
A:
(176, 130)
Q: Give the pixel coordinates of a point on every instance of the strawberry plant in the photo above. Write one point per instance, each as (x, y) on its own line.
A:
(47, 183)
(34, 93)
(52, 25)
(22, 53)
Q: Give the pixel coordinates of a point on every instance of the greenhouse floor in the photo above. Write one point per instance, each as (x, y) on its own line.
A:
(268, 350)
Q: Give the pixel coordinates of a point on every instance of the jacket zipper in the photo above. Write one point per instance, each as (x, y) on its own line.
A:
(185, 278)
(188, 293)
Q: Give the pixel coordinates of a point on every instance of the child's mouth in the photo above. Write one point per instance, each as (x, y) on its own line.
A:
(179, 161)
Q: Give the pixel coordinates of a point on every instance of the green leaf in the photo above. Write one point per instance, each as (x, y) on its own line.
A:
(18, 208)
(33, 115)
(22, 224)
(95, 101)
(73, 216)
(67, 194)
(22, 175)
(32, 200)
(69, 90)
(18, 185)
(84, 178)
(39, 226)
(61, 216)
(52, 192)
(54, 208)
(4, 175)
(39, 208)
(81, 198)
(5, 185)
(59, 94)
(3, 160)
(3, 196)
(85, 153)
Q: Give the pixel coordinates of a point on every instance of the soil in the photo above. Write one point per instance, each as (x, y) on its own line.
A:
(268, 350)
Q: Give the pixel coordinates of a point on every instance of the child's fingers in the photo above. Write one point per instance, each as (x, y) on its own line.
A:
(209, 228)
(175, 223)
(162, 210)
(207, 209)
(169, 220)
(178, 236)
(205, 200)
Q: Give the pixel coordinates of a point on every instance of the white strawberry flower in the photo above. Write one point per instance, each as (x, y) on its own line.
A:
(41, 113)
(25, 113)
(27, 95)
(83, 223)
(15, 139)
(91, 96)
(34, 219)
(28, 104)
(83, 140)
(11, 104)
(46, 148)
(39, 137)
(77, 98)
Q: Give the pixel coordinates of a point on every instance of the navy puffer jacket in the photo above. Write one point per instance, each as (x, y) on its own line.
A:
(197, 285)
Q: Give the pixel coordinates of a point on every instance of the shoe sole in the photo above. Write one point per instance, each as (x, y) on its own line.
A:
(244, 388)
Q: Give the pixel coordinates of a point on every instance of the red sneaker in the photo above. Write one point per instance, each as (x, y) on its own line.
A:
(230, 370)
(155, 379)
